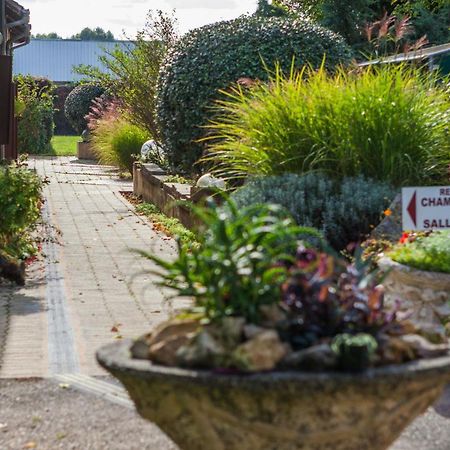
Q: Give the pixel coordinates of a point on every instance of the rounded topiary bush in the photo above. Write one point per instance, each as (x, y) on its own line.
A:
(78, 103)
(211, 58)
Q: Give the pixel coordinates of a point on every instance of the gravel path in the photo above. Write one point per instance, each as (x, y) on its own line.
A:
(39, 414)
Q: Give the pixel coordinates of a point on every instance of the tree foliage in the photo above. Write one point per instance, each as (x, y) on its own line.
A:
(133, 71)
(349, 18)
(51, 35)
(94, 34)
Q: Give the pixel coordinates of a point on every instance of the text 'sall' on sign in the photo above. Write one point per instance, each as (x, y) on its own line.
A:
(426, 208)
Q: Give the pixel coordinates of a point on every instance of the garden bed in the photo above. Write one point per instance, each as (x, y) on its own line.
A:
(173, 199)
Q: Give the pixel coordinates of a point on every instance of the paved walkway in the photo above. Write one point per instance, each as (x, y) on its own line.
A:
(86, 292)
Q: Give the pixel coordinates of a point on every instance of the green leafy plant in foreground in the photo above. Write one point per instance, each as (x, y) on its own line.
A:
(387, 123)
(232, 272)
(20, 200)
(424, 252)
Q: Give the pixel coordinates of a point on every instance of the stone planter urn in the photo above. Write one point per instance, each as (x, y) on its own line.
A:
(425, 293)
(291, 410)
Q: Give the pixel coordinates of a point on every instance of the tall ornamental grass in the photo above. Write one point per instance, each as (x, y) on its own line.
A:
(389, 123)
(116, 141)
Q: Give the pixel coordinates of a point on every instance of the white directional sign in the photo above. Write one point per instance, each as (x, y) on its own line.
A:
(426, 208)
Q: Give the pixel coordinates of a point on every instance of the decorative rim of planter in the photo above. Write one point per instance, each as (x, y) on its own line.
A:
(116, 357)
(387, 264)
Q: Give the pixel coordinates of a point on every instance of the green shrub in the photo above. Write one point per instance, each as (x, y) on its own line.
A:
(388, 123)
(35, 125)
(78, 103)
(116, 141)
(126, 143)
(429, 252)
(20, 199)
(213, 57)
(345, 212)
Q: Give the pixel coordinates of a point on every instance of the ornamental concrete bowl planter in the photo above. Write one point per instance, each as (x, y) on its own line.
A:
(425, 293)
(291, 410)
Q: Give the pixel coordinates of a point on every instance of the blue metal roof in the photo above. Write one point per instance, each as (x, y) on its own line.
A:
(55, 58)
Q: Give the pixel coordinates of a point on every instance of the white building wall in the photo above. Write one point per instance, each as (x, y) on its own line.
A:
(55, 58)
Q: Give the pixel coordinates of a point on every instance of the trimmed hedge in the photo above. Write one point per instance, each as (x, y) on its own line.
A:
(62, 125)
(211, 58)
(78, 103)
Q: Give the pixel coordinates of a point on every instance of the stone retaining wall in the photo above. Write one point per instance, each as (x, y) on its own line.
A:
(171, 198)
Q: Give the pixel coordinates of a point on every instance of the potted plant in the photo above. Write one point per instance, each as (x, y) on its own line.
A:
(418, 274)
(286, 346)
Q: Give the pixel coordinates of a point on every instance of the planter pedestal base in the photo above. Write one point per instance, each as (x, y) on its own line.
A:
(279, 410)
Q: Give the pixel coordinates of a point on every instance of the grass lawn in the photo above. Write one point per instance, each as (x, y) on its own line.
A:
(64, 145)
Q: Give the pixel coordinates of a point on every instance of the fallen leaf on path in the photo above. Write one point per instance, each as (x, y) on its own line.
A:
(64, 385)
(30, 445)
(115, 327)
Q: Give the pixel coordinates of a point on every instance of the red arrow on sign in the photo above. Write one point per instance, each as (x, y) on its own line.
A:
(412, 208)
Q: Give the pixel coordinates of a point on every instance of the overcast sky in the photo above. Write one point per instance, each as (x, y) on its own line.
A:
(67, 17)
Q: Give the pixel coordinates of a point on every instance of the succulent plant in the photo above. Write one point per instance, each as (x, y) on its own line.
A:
(325, 297)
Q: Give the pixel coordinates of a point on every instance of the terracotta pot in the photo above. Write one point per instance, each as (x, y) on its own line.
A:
(425, 293)
(203, 410)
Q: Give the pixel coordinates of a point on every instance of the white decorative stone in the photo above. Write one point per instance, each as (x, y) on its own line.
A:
(151, 146)
(209, 181)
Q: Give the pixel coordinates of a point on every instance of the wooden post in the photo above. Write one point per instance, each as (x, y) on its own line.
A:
(5, 97)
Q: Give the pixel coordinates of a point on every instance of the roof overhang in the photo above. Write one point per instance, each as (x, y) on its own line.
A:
(17, 26)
